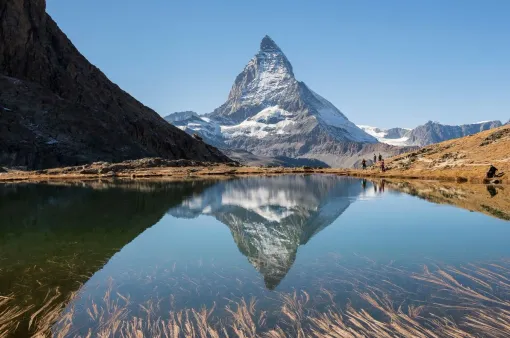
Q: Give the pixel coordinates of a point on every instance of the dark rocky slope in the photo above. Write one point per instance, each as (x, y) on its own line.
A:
(58, 109)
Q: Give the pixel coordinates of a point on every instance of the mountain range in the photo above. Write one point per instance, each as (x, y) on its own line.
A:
(429, 133)
(57, 109)
(269, 113)
(270, 217)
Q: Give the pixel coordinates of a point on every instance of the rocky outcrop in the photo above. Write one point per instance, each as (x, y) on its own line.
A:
(58, 109)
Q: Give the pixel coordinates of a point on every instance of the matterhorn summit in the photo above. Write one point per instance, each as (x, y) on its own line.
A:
(270, 113)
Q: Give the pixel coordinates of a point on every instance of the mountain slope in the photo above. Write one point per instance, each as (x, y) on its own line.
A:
(468, 157)
(58, 109)
(433, 132)
(429, 133)
(270, 113)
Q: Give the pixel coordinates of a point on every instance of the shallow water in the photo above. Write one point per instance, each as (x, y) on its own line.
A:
(194, 244)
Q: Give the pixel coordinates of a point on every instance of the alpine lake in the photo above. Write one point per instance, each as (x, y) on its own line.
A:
(269, 256)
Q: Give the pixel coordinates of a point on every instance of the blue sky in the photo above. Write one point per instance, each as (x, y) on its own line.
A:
(383, 63)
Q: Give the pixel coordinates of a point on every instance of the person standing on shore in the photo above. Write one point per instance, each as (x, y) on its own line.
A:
(364, 164)
(380, 157)
(375, 159)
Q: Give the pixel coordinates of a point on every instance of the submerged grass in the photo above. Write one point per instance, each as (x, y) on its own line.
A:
(462, 301)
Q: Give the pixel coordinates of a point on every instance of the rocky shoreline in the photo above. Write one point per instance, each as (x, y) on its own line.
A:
(158, 168)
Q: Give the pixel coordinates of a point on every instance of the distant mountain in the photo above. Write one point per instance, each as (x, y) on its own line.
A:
(466, 159)
(393, 136)
(433, 132)
(270, 217)
(58, 109)
(429, 133)
(270, 113)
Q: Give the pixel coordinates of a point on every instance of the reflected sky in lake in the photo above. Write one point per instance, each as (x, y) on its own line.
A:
(209, 242)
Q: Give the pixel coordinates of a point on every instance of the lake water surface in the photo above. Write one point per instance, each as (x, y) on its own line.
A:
(289, 252)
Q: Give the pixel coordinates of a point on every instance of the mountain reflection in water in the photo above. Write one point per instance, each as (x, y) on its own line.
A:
(193, 244)
(271, 217)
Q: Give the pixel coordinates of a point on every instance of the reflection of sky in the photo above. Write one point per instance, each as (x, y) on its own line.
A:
(387, 226)
(401, 227)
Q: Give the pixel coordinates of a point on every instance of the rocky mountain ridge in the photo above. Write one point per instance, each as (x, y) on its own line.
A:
(58, 109)
(429, 133)
(270, 113)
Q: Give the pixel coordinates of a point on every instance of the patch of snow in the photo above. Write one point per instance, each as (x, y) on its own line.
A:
(330, 115)
(181, 116)
(269, 121)
(380, 135)
(273, 76)
(51, 141)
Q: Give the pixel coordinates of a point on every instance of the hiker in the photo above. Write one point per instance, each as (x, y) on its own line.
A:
(380, 157)
(375, 159)
(364, 164)
(382, 166)
(491, 172)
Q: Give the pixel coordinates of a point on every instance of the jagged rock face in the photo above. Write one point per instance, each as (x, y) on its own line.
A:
(271, 217)
(395, 133)
(429, 133)
(57, 106)
(433, 132)
(192, 123)
(270, 113)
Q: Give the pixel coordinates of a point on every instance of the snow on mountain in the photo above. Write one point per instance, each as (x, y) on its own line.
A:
(429, 133)
(270, 121)
(270, 113)
(385, 135)
(192, 123)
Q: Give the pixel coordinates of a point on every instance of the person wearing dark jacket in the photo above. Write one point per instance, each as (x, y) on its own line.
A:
(491, 172)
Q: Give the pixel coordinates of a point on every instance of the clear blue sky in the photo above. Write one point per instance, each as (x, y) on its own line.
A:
(383, 63)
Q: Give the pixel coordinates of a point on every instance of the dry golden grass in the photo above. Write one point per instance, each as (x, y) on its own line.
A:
(464, 159)
(467, 301)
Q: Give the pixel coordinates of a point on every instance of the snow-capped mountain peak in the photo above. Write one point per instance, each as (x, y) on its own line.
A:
(268, 45)
(270, 113)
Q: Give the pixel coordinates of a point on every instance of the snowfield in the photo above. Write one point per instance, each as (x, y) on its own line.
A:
(381, 136)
